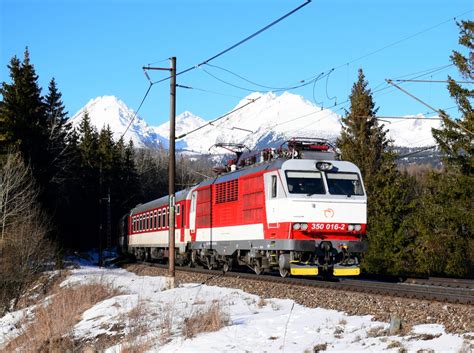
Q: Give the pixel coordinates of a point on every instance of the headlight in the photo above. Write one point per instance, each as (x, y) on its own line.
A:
(304, 226)
(357, 227)
(324, 166)
(350, 227)
(296, 226)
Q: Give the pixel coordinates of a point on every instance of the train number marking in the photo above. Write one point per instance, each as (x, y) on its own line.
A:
(338, 227)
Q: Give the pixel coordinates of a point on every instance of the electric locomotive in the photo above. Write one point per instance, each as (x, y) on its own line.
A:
(296, 209)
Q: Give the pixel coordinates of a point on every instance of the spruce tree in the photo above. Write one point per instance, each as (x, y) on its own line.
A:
(445, 240)
(363, 141)
(456, 137)
(22, 113)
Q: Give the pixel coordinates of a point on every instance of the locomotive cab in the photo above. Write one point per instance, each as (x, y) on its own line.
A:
(322, 207)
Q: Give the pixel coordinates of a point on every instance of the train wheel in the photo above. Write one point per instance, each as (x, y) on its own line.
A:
(284, 272)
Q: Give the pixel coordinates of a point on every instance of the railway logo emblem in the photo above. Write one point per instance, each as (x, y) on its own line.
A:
(329, 213)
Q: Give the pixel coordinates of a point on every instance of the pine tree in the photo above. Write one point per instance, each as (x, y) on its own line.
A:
(363, 141)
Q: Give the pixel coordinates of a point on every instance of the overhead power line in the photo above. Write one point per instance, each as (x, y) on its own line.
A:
(207, 91)
(404, 39)
(136, 111)
(212, 58)
(240, 42)
(289, 87)
(429, 106)
(219, 118)
(434, 81)
(416, 152)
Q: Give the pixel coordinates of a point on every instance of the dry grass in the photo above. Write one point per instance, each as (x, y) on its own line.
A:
(135, 323)
(53, 321)
(166, 323)
(343, 322)
(210, 319)
(394, 344)
(466, 347)
(377, 331)
(261, 303)
(320, 347)
(46, 284)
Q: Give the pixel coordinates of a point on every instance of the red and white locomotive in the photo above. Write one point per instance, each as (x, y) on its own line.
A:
(296, 209)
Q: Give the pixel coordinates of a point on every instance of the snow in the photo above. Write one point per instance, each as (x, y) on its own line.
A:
(111, 111)
(255, 326)
(268, 121)
(411, 132)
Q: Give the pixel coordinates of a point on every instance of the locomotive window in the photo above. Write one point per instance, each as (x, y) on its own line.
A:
(308, 183)
(344, 184)
(182, 218)
(177, 209)
(274, 186)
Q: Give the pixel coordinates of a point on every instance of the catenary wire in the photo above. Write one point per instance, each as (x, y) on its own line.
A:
(207, 91)
(404, 39)
(258, 84)
(240, 42)
(219, 118)
(216, 56)
(138, 109)
(306, 83)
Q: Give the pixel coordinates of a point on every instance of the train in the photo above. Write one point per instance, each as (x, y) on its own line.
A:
(296, 209)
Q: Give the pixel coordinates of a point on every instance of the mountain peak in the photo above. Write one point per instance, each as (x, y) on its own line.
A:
(111, 111)
(267, 121)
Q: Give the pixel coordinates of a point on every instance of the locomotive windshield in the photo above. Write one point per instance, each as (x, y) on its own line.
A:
(344, 184)
(305, 183)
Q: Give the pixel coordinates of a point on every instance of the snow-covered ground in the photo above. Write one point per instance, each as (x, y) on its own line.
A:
(255, 325)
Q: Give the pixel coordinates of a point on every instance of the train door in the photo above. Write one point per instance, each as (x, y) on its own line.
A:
(192, 213)
(272, 191)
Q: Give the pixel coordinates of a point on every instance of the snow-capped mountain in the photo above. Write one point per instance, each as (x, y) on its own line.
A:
(412, 133)
(268, 120)
(185, 122)
(111, 111)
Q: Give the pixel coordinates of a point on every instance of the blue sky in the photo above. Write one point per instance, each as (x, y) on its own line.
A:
(98, 47)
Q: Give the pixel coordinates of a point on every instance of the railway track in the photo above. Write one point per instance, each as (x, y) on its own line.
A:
(435, 289)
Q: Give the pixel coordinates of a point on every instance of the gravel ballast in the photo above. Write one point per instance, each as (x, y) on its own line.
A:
(456, 318)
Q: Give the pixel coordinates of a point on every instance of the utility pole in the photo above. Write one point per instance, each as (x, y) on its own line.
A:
(100, 213)
(172, 167)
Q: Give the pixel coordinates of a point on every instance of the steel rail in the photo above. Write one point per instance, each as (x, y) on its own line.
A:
(417, 290)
